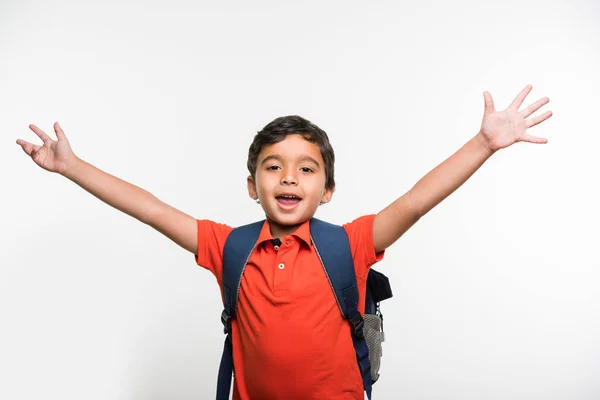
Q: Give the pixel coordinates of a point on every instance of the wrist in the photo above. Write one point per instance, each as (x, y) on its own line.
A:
(70, 167)
(483, 143)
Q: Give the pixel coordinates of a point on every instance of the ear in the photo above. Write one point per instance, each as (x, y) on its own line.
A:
(252, 188)
(326, 198)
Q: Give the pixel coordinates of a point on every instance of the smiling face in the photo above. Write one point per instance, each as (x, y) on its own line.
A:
(289, 183)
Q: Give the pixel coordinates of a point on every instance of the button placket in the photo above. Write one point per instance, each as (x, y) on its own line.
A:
(281, 266)
(281, 269)
(284, 264)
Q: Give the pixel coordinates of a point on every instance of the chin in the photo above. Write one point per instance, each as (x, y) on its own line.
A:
(289, 219)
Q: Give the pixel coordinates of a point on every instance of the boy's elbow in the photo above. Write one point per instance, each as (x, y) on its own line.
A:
(178, 226)
(412, 206)
(152, 211)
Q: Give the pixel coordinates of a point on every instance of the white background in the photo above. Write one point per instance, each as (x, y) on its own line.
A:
(496, 290)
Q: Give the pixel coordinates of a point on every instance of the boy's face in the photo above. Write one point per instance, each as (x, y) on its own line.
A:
(290, 182)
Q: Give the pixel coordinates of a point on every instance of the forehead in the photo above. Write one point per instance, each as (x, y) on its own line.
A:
(292, 147)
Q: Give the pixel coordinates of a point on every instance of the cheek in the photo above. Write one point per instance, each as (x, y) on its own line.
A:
(265, 183)
(319, 182)
(317, 189)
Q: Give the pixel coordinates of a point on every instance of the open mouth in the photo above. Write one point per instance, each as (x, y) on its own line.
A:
(288, 200)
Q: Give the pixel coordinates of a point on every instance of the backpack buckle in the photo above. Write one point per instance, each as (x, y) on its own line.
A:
(226, 321)
(357, 323)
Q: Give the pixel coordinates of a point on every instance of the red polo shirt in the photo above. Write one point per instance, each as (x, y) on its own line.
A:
(290, 340)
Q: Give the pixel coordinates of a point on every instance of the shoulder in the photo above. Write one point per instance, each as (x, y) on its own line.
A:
(358, 227)
(211, 241)
(360, 236)
(214, 229)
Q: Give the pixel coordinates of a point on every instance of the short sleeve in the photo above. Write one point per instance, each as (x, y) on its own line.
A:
(211, 241)
(360, 234)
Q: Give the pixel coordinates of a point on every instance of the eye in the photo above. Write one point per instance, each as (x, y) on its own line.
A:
(306, 169)
(272, 167)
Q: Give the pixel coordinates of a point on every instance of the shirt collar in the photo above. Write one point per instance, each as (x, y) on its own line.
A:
(302, 233)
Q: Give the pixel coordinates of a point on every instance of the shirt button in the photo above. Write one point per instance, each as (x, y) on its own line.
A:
(287, 241)
(281, 266)
(276, 247)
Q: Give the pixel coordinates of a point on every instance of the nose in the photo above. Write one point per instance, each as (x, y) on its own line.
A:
(288, 178)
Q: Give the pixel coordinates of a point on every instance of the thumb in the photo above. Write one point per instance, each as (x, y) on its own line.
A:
(489, 104)
(60, 134)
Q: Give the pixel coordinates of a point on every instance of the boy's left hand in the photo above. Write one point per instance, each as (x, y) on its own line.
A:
(500, 129)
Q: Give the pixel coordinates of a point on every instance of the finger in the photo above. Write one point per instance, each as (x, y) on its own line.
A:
(42, 135)
(521, 96)
(489, 104)
(27, 147)
(534, 107)
(533, 139)
(536, 120)
(60, 134)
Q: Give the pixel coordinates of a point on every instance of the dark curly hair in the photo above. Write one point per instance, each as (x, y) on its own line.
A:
(278, 129)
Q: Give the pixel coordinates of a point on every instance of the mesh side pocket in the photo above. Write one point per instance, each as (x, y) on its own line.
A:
(372, 333)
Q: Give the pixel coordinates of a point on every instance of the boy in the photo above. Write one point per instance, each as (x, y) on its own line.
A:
(289, 338)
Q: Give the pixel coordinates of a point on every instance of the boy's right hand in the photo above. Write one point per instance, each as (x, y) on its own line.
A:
(53, 156)
(57, 156)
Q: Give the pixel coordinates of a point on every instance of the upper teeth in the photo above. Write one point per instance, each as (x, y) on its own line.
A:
(289, 196)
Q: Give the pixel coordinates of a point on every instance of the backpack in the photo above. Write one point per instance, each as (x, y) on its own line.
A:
(333, 248)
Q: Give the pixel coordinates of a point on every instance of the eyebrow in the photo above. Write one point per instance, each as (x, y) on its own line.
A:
(278, 158)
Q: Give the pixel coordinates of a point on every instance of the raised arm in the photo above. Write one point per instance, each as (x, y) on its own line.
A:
(499, 129)
(57, 156)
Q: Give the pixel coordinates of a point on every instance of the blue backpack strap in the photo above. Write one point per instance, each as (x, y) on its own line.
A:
(238, 247)
(333, 249)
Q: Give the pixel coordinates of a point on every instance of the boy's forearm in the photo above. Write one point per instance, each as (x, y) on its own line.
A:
(122, 195)
(444, 179)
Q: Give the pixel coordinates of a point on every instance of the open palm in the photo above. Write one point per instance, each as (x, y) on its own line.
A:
(500, 129)
(53, 155)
